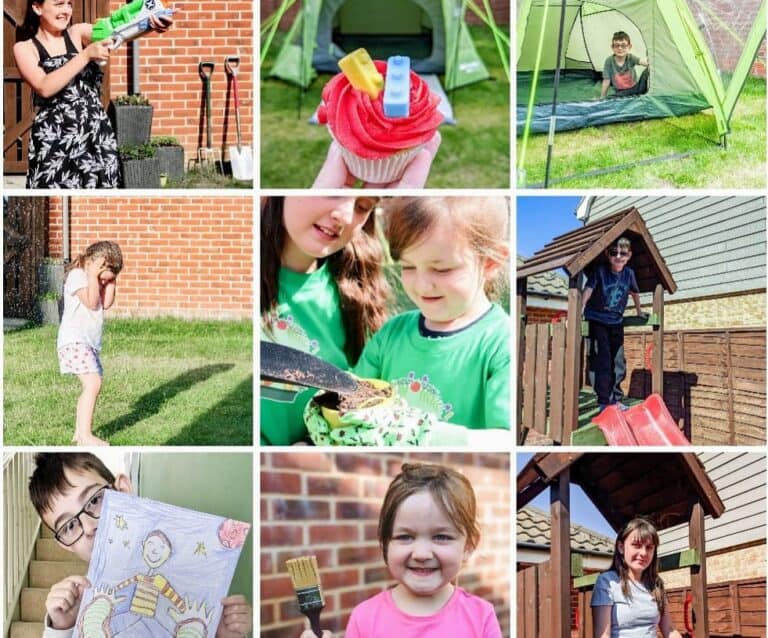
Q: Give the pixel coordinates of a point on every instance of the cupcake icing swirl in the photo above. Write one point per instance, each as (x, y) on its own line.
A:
(358, 123)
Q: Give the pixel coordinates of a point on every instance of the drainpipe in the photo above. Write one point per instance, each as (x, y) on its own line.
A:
(134, 79)
(65, 231)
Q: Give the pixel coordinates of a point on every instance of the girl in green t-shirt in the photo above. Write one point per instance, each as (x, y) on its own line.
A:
(323, 291)
(451, 355)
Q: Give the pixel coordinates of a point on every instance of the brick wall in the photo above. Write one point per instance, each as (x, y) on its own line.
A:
(734, 311)
(187, 257)
(543, 315)
(500, 10)
(202, 31)
(327, 504)
(739, 564)
(738, 15)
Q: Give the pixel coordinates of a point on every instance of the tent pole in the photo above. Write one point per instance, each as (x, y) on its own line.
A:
(552, 118)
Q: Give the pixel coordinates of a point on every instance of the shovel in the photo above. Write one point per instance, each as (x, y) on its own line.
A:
(208, 157)
(296, 368)
(240, 157)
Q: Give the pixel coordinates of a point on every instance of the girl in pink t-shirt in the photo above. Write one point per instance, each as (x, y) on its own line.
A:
(427, 529)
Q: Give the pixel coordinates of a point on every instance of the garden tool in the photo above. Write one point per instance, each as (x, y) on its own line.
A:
(240, 157)
(293, 367)
(208, 157)
(129, 22)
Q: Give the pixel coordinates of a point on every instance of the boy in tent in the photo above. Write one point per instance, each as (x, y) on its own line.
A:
(619, 69)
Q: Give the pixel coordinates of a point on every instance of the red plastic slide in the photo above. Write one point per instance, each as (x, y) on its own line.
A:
(648, 423)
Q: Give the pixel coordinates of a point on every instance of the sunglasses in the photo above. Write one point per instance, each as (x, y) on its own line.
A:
(618, 253)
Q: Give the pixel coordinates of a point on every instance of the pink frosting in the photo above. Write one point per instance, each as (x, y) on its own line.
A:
(358, 123)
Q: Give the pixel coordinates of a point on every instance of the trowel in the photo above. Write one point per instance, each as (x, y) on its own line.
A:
(288, 366)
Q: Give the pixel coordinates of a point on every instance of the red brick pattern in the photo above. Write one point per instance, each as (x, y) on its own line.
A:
(202, 31)
(327, 504)
(189, 257)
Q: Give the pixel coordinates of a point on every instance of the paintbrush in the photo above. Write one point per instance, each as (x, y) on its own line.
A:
(306, 583)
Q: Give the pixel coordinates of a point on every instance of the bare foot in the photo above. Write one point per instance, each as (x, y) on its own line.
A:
(88, 440)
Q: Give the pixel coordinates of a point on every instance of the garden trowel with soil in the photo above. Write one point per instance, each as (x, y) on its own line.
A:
(287, 370)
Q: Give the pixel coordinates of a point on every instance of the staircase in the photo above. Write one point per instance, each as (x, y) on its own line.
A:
(50, 564)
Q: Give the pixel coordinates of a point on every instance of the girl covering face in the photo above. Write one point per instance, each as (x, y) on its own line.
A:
(629, 601)
(323, 292)
(89, 289)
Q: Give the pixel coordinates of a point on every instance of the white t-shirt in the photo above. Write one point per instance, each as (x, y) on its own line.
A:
(79, 324)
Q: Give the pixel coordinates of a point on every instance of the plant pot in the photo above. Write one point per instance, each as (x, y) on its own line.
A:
(50, 278)
(171, 161)
(47, 311)
(141, 173)
(133, 123)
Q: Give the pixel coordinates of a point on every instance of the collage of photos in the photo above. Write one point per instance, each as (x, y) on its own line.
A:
(335, 458)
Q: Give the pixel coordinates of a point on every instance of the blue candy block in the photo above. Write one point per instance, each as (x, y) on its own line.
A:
(397, 86)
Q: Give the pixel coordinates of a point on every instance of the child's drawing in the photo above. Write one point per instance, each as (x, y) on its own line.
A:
(158, 570)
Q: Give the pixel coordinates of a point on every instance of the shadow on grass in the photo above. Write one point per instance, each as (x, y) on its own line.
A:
(229, 422)
(152, 402)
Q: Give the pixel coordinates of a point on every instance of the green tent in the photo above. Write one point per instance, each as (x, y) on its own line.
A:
(432, 32)
(683, 75)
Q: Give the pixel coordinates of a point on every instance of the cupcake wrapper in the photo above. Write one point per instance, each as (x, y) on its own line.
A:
(377, 171)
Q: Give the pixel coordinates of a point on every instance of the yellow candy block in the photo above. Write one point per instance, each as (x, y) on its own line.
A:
(361, 72)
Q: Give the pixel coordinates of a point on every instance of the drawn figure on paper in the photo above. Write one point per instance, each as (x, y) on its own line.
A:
(149, 587)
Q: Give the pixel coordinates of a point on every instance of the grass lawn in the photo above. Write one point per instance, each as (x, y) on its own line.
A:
(166, 382)
(741, 165)
(474, 153)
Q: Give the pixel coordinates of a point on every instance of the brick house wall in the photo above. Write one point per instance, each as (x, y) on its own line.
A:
(327, 504)
(738, 15)
(169, 77)
(738, 564)
(543, 315)
(189, 257)
(733, 311)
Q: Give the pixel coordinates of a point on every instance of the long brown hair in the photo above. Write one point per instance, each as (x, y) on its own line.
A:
(356, 268)
(650, 578)
(109, 250)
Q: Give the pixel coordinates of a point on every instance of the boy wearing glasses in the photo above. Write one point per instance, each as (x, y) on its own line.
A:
(619, 69)
(67, 491)
(605, 299)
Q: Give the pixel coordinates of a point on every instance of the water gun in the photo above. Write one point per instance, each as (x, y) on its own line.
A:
(129, 22)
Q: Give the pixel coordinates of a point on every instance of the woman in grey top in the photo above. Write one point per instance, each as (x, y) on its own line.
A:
(629, 600)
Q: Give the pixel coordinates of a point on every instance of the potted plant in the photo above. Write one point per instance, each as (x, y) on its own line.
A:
(132, 118)
(141, 167)
(47, 311)
(50, 275)
(171, 155)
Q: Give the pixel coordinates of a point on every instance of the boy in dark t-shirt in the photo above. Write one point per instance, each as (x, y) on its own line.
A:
(619, 69)
(605, 299)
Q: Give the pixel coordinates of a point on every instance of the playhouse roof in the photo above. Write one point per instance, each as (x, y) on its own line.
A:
(660, 485)
(577, 249)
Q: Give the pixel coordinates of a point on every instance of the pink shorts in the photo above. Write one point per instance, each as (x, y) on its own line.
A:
(79, 358)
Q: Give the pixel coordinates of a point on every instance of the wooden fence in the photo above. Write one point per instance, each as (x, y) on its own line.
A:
(714, 381)
(736, 608)
(24, 230)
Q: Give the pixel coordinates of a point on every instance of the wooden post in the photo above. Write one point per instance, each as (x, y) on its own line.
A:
(657, 379)
(699, 573)
(573, 342)
(522, 301)
(560, 556)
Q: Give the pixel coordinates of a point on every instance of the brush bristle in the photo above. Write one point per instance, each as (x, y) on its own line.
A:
(306, 581)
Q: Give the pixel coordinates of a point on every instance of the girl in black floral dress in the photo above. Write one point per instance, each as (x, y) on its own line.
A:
(71, 143)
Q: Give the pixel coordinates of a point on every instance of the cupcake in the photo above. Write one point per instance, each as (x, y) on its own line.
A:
(376, 147)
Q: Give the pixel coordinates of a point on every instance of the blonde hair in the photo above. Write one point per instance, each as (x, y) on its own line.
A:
(483, 222)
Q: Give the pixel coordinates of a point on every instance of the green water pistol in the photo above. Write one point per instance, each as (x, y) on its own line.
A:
(129, 22)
